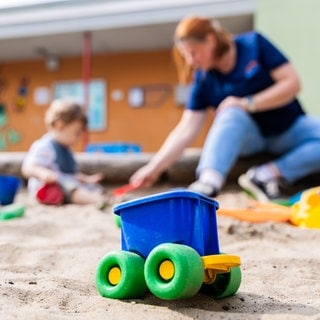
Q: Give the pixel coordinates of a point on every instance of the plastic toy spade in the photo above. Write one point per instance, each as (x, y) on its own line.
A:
(259, 212)
(118, 195)
(11, 211)
(123, 190)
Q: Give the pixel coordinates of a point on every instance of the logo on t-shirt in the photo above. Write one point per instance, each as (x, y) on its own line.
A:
(251, 68)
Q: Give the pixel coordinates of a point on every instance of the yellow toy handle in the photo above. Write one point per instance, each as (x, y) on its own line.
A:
(220, 263)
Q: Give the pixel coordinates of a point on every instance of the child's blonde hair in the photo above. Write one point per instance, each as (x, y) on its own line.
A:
(66, 111)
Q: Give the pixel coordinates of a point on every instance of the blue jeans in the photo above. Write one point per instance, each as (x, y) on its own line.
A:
(234, 134)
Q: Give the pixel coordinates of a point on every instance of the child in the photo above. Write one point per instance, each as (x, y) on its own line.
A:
(50, 165)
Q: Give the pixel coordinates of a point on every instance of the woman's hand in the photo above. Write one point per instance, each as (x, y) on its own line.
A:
(179, 138)
(285, 88)
(232, 101)
(144, 177)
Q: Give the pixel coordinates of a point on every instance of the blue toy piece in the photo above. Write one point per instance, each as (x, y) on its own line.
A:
(115, 147)
(9, 185)
(170, 246)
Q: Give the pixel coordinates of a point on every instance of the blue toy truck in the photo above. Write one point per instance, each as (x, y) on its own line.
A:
(170, 246)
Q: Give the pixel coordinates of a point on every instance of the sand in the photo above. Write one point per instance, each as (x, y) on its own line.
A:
(48, 260)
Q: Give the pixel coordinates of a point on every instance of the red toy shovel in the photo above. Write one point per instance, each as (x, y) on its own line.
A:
(121, 191)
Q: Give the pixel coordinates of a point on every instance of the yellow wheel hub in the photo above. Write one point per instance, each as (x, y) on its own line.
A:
(166, 270)
(114, 275)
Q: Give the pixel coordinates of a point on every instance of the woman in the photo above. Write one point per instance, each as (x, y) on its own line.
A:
(252, 87)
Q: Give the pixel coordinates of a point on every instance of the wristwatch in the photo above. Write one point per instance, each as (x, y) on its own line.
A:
(251, 107)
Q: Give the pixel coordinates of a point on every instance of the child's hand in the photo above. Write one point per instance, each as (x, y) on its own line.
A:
(49, 176)
(94, 178)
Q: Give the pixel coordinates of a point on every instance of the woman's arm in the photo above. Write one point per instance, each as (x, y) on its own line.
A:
(284, 90)
(179, 138)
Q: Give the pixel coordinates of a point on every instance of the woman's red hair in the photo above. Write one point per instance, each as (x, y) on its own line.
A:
(197, 28)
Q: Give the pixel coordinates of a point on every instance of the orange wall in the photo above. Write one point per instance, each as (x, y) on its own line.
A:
(147, 126)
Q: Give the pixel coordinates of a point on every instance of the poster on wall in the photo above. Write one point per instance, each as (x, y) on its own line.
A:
(97, 99)
(42, 96)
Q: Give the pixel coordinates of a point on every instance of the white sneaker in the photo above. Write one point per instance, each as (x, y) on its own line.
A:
(263, 191)
(204, 188)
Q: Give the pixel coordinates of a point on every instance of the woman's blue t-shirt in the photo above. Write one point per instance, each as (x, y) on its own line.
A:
(256, 58)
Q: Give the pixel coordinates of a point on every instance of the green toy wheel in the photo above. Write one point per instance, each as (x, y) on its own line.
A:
(225, 284)
(120, 275)
(173, 271)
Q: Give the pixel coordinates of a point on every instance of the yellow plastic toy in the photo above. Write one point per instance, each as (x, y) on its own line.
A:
(306, 212)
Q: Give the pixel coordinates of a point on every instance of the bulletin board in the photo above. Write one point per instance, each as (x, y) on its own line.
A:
(97, 111)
